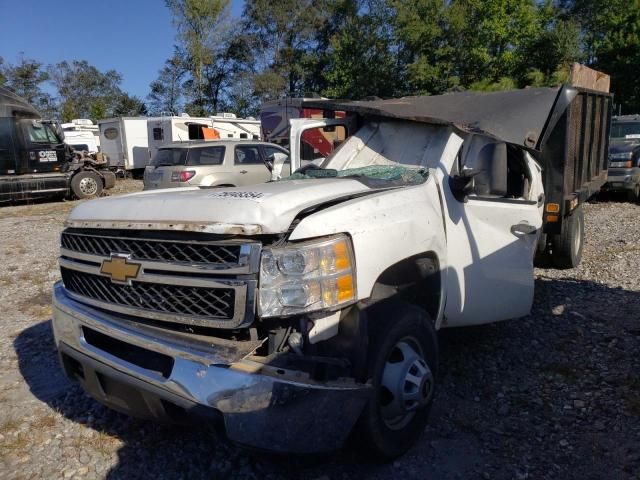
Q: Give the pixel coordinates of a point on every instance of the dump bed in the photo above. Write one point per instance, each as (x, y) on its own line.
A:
(566, 128)
(574, 156)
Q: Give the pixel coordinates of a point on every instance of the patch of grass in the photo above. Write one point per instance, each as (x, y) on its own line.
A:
(38, 304)
(9, 426)
(105, 444)
(48, 421)
(15, 443)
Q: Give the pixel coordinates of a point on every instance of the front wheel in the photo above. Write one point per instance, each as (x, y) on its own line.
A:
(634, 195)
(86, 184)
(402, 367)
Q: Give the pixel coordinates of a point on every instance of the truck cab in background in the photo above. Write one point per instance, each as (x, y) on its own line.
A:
(624, 157)
(34, 160)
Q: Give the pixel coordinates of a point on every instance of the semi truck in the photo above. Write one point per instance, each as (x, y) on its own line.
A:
(34, 160)
(301, 311)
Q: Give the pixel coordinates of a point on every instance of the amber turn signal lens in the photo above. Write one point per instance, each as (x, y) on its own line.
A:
(553, 207)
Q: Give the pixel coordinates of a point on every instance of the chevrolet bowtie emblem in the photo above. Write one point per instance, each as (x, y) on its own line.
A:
(120, 269)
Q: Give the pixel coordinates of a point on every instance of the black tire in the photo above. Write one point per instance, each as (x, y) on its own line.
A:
(392, 324)
(542, 257)
(633, 196)
(567, 247)
(86, 184)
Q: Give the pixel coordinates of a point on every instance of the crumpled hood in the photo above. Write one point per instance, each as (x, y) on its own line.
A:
(264, 208)
(623, 146)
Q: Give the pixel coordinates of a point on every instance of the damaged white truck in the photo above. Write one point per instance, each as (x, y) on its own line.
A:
(304, 310)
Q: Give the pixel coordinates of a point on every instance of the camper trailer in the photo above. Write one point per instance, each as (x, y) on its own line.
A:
(82, 135)
(124, 141)
(163, 130)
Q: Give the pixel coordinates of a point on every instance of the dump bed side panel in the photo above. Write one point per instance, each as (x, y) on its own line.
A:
(574, 158)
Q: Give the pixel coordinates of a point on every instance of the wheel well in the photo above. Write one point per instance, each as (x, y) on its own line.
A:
(416, 280)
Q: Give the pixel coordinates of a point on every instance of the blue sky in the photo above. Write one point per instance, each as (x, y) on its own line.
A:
(134, 37)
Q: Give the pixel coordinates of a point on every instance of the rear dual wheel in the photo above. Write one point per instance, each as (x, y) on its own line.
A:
(402, 367)
(567, 246)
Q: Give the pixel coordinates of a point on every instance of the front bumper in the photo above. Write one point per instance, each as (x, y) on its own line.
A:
(622, 178)
(261, 407)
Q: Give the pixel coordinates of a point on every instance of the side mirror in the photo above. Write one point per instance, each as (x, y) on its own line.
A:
(461, 185)
(274, 164)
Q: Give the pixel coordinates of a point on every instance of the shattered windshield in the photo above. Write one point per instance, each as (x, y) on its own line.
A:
(383, 153)
(373, 175)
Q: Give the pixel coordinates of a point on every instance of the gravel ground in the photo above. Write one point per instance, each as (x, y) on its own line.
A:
(553, 395)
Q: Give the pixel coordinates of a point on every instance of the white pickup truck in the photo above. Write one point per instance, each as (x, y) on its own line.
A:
(302, 310)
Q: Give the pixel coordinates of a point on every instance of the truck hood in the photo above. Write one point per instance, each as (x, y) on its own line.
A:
(256, 209)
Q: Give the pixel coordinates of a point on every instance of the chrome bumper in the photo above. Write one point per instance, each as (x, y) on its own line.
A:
(261, 407)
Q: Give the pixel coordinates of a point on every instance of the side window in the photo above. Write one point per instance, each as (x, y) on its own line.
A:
(195, 131)
(501, 170)
(319, 143)
(206, 156)
(158, 134)
(247, 155)
(268, 151)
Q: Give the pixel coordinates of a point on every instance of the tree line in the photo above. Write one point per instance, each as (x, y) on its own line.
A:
(82, 91)
(351, 49)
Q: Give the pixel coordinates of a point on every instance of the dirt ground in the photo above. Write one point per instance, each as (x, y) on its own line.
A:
(553, 395)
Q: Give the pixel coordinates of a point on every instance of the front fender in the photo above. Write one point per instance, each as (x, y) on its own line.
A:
(385, 227)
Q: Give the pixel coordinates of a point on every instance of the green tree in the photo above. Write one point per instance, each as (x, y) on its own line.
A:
(611, 43)
(361, 60)
(200, 25)
(166, 91)
(129, 106)
(85, 91)
(282, 35)
(26, 78)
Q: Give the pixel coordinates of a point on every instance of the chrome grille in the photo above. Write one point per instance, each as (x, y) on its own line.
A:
(205, 280)
(153, 250)
(214, 303)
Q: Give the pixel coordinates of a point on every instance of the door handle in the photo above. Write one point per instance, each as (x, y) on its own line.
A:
(540, 199)
(523, 229)
(243, 171)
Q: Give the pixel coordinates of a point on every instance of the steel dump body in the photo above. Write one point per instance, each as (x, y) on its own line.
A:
(565, 128)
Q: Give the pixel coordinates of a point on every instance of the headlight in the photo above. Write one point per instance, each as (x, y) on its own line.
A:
(306, 277)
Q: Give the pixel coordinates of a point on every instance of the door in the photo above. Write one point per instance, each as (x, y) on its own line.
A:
(311, 141)
(248, 166)
(492, 234)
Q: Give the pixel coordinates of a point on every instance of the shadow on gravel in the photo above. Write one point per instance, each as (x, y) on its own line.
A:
(550, 395)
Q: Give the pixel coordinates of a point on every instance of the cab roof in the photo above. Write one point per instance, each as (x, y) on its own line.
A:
(12, 105)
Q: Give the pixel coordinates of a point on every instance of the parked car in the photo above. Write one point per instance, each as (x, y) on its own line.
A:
(624, 156)
(215, 163)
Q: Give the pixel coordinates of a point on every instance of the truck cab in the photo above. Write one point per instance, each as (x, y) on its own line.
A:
(303, 310)
(624, 156)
